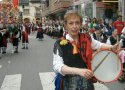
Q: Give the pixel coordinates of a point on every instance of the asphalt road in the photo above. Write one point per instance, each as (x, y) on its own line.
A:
(28, 69)
(29, 63)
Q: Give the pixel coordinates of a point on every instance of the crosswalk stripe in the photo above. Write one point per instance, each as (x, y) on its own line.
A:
(99, 86)
(47, 80)
(11, 82)
(32, 36)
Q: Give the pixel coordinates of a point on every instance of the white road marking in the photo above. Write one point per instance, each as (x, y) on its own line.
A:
(9, 61)
(47, 80)
(99, 86)
(31, 36)
(0, 66)
(11, 82)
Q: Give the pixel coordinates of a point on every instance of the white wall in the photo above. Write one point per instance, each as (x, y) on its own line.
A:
(32, 11)
(94, 9)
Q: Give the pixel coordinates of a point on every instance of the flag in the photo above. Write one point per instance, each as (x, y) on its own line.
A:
(15, 3)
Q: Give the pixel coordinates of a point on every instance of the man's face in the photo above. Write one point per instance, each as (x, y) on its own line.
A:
(120, 18)
(115, 32)
(98, 32)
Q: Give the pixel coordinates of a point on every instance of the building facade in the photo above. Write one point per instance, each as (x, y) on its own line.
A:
(109, 8)
(55, 9)
(31, 9)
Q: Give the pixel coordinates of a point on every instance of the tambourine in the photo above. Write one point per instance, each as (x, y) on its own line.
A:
(107, 66)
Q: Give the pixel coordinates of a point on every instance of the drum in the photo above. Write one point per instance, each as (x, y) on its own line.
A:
(107, 66)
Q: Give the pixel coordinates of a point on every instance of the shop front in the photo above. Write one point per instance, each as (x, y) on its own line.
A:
(109, 9)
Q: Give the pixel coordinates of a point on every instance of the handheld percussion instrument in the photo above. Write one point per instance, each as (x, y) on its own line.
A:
(107, 66)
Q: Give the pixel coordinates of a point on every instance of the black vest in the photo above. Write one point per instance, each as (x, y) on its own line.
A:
(123, 42)
(113, 40)
(70, 59)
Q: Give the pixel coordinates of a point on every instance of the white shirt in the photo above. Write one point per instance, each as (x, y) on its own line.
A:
(58, 61)
(108, 41)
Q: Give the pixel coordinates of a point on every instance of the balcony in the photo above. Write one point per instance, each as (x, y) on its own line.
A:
(38, 1)
(35, 1)
(46, 11)
(59, 6)
(56, 6)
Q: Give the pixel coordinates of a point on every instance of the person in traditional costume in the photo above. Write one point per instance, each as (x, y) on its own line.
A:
(39, 31)
(33, 27)
(1, 36)
(72, 55)
(20, 27)
(4, 40)
(25, 40)
(28, 27)
(15, 38)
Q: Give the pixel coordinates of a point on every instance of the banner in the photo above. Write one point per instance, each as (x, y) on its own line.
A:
(15, 4)
(8, 13)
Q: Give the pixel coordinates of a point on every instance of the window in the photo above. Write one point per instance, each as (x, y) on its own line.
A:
(26, 11)
(24, 2)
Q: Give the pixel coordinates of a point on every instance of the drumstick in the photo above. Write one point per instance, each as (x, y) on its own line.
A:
(117, 49)
(101, 62)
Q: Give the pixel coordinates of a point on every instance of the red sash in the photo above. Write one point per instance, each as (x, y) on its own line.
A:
(86, 51)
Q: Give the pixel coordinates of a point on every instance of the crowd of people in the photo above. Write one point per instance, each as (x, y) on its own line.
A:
(54, 28)
(18, 32)
(10, 33)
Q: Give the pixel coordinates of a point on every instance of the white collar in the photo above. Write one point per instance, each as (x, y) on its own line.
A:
(68, 37)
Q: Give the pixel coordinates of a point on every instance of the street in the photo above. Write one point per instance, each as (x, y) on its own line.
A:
(32, 69)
